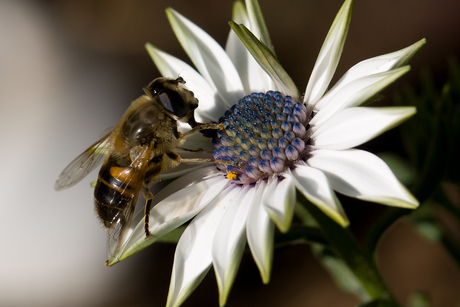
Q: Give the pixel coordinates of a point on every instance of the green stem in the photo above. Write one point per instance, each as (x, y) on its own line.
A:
(300, 234)
(381, 225)
(344, 246)
(451, 209)
(449, 243)
(452, 247)
(441, 198)
(304, 216)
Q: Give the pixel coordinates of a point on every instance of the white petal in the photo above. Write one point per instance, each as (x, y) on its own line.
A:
(372, 66)
(172, 211)
(230, 241)
(267, 60)
(357, 92)
(260, 232)
(193, 258)
(315, 186)
(354, 126)
(329, 55)
(362, 175)
(182, 169)
(211, 105)
(257, 23)
(279, 201)
(209, 57)
(185, 201)
(254, 78)
(192, 178)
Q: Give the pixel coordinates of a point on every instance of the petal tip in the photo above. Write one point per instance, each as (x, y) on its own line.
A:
(266, 279)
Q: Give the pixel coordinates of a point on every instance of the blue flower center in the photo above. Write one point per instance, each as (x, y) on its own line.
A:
(265, 131)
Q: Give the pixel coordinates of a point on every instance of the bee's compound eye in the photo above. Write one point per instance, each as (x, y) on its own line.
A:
(173, 102)
(155, 87)
(166, 102)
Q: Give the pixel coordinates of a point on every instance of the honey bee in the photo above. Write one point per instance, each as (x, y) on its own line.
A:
(134, 154)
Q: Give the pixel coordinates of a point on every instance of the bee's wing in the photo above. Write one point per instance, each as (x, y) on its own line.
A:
(133, 178)
(84, 163)
(117, 232)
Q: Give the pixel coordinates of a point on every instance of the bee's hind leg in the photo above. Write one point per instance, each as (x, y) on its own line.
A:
(148, 206)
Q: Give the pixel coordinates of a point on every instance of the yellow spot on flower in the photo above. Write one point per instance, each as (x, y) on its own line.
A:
(232, 175)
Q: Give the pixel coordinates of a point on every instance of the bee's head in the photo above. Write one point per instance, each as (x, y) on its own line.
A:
(178, 102)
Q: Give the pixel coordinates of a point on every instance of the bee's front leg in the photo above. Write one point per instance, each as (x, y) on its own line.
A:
(190, 150)
(148, 206)
(206, 160)
(200, 127)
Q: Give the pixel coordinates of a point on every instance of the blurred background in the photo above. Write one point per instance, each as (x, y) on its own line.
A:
(69, 69)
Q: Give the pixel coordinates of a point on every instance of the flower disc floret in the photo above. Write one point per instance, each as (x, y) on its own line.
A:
(267, 131)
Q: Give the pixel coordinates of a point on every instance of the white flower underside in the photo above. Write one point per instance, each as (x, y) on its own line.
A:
(223, 216)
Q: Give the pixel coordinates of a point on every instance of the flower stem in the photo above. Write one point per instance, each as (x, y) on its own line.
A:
(382, 224)
(452, 247)
(440, 196)
(344, 245)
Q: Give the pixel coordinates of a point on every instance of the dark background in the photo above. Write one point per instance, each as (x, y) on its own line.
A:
(69, 69)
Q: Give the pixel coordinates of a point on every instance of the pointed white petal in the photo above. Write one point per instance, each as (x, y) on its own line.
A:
(180, 170)
(260, 231)
(188, 179)
(211, 105)
(257, 23)
(360, 174)
(230, 241)
(372, 66)
(315, 186)
(354, 126)
(254, 78)
(267, 60)
(209, 57)
(239, 14)
(329, 55)
(171, 212)
(357, 92)
(279, 201)
(193, 256)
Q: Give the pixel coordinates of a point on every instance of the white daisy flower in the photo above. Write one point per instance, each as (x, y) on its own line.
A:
(286, 142)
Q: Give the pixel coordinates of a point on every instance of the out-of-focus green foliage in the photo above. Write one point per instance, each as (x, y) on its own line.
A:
(432, 138)
(419, 299)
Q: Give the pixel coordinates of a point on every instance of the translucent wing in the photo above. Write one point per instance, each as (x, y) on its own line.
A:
(84, 164)
(117, 232)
